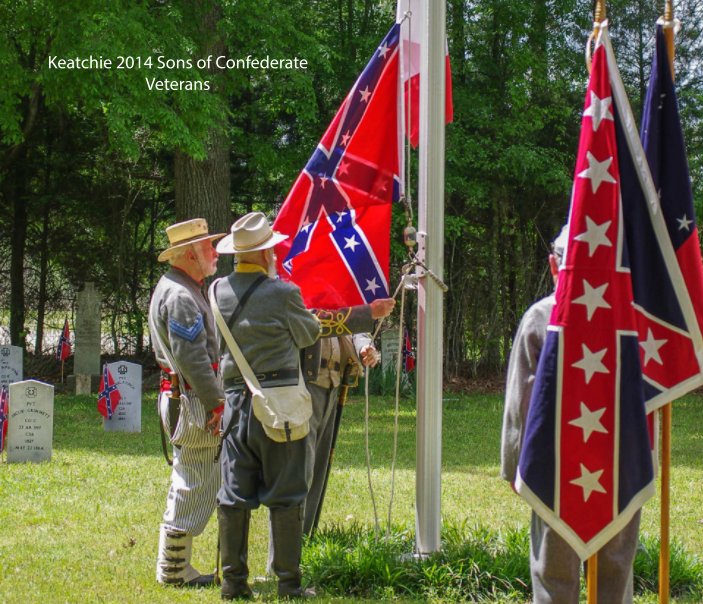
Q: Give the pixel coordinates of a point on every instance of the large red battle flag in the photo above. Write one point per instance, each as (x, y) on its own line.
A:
(338, 212)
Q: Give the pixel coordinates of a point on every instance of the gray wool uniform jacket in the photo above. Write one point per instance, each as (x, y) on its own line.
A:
(522, 367)
(275, 324)
(183, 318)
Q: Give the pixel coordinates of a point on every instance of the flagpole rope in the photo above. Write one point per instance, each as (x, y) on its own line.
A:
(598, 17)
(407, 198)
(396, 414)
(407, 281)
(368, 452)
(403, 283)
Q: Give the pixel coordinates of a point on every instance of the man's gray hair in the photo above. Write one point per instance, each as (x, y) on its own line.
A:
(560, 241)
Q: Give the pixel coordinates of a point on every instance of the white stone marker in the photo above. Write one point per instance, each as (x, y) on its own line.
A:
(128, 417)
(10, 364)
(389, 350)
(30, 429)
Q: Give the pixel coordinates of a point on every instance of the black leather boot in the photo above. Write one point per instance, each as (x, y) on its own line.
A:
(287, 538)
(233, 526)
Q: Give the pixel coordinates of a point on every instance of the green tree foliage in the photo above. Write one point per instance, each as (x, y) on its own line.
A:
(87, 177)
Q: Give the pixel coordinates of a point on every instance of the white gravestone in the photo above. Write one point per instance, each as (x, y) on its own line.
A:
(128, 416)
(389, 350)
(30, 430)
(10, 364)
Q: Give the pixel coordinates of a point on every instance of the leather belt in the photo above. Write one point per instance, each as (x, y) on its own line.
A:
(324, 364)
(166, 379)
(268, 377)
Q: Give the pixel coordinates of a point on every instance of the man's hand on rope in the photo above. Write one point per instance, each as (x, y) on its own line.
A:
(369, 356)
(382, 307)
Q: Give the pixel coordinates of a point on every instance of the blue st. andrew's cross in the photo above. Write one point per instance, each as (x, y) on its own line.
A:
(106, 392)
(327, 169)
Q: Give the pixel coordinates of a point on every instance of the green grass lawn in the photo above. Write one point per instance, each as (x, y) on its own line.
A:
(84, 527)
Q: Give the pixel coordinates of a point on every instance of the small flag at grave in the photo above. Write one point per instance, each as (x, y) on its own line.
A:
(408, 354)
(63, 350)
(109, 395)
(4, 412)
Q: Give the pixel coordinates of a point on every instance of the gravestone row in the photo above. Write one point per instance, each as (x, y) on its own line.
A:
(30, 426)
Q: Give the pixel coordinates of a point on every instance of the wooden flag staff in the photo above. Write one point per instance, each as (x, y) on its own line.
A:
(665, 515)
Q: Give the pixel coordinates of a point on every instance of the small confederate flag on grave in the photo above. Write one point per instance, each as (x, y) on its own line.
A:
(4, 411)
(63, 350)
(109, 395)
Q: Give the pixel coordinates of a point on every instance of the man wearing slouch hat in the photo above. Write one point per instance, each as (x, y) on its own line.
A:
(183, 336)
(270, 325)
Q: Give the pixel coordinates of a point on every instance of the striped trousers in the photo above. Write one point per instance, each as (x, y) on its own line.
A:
(195, 479)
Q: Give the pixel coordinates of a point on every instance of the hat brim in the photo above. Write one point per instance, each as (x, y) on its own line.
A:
(226, 245)
(168, 252)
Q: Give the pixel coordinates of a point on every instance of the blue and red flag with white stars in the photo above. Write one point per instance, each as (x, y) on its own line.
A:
(63, 349)
(338, 212)
(108, 394)
(4, 413)
(672, 345)
(586, 463)
(408, 354)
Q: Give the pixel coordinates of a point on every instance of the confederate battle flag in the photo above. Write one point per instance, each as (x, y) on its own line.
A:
(4, 412)
(108, 395)
(586, 464)
(338, 213)
(63, 350)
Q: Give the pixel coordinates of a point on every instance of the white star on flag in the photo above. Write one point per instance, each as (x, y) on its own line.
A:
(595, 235)
(598, 110)
(591, 362)
(589, 421)
(651, 348)
(365, 94)
(323, 180)
(588, 481)
(351, 243)
(592, 298)
(340, 216)
(684, 223)
(597, 171)
(383, 50)
(345, 139)
(372, 286)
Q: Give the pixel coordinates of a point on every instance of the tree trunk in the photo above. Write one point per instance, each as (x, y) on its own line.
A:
(15, 195)
(43, 276)
(203, 187)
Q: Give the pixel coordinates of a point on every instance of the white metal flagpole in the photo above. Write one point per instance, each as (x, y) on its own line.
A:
(431, 254)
